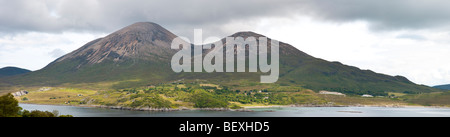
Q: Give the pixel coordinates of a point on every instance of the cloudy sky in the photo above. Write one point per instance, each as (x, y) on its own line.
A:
(395, 37)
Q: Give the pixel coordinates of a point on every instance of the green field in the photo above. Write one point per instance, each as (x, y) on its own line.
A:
(206, 95)
(57, 96)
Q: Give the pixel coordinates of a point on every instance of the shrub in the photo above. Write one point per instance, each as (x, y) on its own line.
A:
(37, 113)
(203, 99)
(234, 106)
(9, 106)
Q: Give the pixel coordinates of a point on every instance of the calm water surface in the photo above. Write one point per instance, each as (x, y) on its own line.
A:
(258, 112)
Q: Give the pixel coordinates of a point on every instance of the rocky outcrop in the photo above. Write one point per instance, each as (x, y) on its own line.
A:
(139, 109)
(242, 110)
(20, 93)
(213, 109)
(171, 109)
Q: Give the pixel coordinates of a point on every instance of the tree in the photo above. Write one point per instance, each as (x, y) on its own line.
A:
(37, 113)
(55, 113)
(204, 99)
(9, 106)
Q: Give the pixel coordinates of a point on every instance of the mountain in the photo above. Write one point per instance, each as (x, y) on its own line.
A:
(446, 87)
(12, 71)
(143, 40)
(140, 55)
(140, 52)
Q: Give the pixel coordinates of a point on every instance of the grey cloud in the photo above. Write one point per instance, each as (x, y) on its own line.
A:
(383, 14)
(110, 15)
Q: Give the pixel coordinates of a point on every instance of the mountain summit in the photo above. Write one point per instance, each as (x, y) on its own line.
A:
(136, 52)
(12, 71)
(140, 54)
(285, 49)
(142, 40)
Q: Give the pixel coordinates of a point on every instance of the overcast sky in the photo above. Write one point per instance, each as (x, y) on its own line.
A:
(396, 37)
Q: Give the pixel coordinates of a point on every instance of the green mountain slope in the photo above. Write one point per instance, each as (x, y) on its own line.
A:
(446, 87)
(140, 55)
(11, 71)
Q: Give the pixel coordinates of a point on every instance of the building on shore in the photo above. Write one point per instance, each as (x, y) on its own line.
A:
(20, 93)
(367, 96)
(331, 93)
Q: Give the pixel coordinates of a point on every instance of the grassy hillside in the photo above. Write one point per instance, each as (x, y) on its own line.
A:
(105, 75)
(139, 55)
(319, 74)
(430, 99)
(309, 73)
(11, 71)
(198, 95)
(446, 87)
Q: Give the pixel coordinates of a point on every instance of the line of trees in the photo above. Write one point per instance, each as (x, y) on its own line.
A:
(9, 107)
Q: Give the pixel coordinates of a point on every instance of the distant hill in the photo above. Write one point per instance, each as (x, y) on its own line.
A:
(447, 87)
(12, 71)
(140, 55)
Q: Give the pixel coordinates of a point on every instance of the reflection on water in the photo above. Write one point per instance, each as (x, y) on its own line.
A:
(258, 112)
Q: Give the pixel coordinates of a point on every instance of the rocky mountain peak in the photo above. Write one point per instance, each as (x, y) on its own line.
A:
(142, 40)
(246, 34)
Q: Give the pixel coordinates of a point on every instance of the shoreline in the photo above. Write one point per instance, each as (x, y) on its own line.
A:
(381, 106)
(243, 109)
(145, 108)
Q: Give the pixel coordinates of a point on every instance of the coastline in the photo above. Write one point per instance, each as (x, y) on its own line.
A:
(144, 109)
(243, 109)
(383, 106)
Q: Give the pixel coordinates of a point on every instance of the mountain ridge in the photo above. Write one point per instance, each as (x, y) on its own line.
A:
(126, 42)
(445, 86)
(12, 71)
(141, 53)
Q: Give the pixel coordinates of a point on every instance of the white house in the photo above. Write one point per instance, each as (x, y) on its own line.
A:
(367, 96)
(331, 93)
(20, 93)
